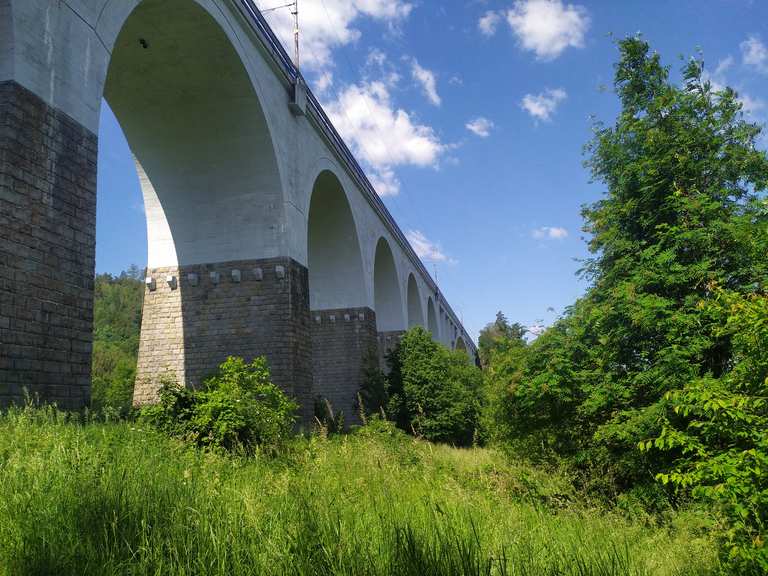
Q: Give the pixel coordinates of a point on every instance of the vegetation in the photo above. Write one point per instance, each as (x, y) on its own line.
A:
(116, 320)
(659, 371)
(433, 392)
(648, 396)
(122, 498)
(237, 408)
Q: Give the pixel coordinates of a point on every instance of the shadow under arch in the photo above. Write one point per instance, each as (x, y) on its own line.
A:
(388, 301)
(336, 278)
(343, 327)
(432, 320)
(415, 311)
(213, 200)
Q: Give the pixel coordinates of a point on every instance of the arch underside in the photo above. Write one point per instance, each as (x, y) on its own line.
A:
(386, 289)
(195, 126)
(213, 199)
(415, 312)
(432, 320)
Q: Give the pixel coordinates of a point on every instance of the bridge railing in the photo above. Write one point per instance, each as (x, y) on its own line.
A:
(275, 48)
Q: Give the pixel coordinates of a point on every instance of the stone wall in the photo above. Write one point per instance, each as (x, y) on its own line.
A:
(243, 308)
(47, 250)
(342, 341)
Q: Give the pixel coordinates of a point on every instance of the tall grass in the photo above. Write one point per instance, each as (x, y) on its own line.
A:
(117, 499)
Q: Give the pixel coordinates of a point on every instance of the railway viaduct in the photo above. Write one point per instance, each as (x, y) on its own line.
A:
(265, 236)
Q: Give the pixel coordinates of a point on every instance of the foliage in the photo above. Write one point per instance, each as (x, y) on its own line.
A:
(329, 421)
(238, 407)
(683, 209)
(433, 392)
(373, 395)
(498, 336)
(109, 499)
(719, 429)
(117, 321)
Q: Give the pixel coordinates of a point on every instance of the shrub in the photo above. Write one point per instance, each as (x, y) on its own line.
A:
(433, 392)
(238, 407)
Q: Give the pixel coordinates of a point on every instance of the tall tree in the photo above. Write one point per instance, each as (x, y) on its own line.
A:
(684, 211)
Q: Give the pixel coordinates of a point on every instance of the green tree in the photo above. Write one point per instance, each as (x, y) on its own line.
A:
(718, 427)
(499, 335)
(434, 392)
(683, 210)
(116, 326)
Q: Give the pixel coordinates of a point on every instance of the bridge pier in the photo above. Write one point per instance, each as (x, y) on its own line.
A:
(195, 316)
(343, 340)
(47, 250)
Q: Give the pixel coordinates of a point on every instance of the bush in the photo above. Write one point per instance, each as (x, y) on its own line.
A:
(434, 392)
(238, 407)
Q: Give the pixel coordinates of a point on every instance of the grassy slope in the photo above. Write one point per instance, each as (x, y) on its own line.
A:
(112, 498)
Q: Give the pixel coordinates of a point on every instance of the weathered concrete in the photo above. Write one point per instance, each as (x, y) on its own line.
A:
(230, 176)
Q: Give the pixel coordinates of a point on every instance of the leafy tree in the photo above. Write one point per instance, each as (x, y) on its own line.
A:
(683, 210)
(433, 392)
(498, 335)
(117, 323)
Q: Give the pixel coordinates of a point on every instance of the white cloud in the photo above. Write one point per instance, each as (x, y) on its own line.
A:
(548, 27)
(718, 82)
(755, 54)
(425, 248)
(380, 134)
(488, 23)
(426, 78)
(480, 126)
(328, 24)
(549, 233)
(723, 65)
(750, 104)
(542, 106)
(323, 83)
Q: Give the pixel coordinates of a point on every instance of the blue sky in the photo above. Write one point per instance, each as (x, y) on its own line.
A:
(470, 118)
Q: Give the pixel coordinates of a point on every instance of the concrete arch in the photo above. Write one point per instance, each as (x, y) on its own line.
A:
(336, 278)
(208, 167)
(432, 325)
(461, 346)
(415, 311)
(388, 301)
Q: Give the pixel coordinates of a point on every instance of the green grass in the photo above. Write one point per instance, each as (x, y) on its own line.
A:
(118, 499)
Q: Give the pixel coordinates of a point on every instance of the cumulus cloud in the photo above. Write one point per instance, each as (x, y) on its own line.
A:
(548, 27)
(382, 135)
(717, 80)
(488, 23)
(480, 126)
(542, 106)
(425, 249)
(323, 83)
(329, 24)
(426, 79)
(549, 233)
(755, 54)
